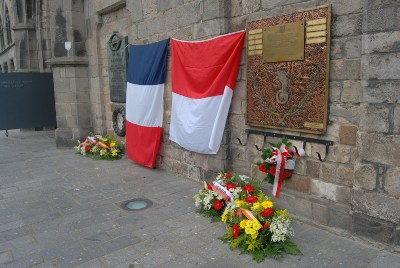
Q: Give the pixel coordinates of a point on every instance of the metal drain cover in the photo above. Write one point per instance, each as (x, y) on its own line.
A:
(136, 204)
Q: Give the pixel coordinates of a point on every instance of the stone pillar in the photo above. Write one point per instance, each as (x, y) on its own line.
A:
(70, 72)
(71, 92)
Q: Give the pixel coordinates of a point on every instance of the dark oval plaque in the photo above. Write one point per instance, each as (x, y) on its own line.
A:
(117, 66)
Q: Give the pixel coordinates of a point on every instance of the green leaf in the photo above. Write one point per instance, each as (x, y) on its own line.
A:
(258, 255)
(290, 248)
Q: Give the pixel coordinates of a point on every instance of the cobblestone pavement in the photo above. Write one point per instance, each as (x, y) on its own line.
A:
(60, 209)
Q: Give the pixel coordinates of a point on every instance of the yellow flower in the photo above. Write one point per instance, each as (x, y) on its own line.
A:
(257, 207)
(253, 244)
(114, 152)
(225, 215)
(105, 139)
(112, 144)
(240, 203)
(243, 224)
(282, 212)
(267, 204)
(252, 228)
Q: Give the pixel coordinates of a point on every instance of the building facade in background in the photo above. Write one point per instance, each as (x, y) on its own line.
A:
(357, 188)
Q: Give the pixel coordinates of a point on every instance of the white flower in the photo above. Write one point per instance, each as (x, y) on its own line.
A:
(280, 228)
(244, 177)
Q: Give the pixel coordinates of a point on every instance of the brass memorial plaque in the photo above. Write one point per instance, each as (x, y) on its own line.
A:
(288, 71)
(284, 42)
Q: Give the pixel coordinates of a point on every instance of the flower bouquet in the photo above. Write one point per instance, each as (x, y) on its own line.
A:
(278, 163)
(255, 226)
(99, 147)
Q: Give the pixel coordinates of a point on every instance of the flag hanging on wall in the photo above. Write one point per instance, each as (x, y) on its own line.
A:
(203, 78)
(144, 101)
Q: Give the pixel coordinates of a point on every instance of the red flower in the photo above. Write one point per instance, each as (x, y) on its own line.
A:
(266, 225)
(218, 204)
(251, 199)
(209, 186)
(267, 212)
(230, 185)
(262, 168)
(285, 175)
(87, 148)
(238, 213)
(228, 175)
(235, 231)
(248, 188)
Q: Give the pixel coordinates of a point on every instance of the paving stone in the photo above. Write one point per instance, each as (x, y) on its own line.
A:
(387, 260)
(6, 257)
(120, 242)
(156, 257)
(169, 234)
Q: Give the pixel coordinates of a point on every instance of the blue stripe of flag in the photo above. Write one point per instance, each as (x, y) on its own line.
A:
(147, 64)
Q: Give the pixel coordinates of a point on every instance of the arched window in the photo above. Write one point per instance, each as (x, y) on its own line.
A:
(1, 35)
(8, 27)
(12, 66)
(30, 9)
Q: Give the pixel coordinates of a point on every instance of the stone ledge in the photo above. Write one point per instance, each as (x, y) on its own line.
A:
(68, 61)
(111, 8)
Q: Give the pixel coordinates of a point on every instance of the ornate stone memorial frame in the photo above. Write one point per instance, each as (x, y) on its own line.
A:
(288, 71)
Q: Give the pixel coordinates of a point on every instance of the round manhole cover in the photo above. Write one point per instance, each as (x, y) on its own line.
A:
(136, 204)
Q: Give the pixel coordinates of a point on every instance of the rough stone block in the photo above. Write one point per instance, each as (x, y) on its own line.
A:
(352, 91)
(182, 16)
(340, 216)
(289, 8)
(340, 153)
(397, 235)
(365, 176)
(298, 183)
(373, 228)
(346, 48)
(163, 5)
(381, 66)
(335, 91)
(392, 182)
(348, 134)
(345, 175)
(149, 7)
(379, 148)
(236, 8)
(341, 7)
(211, 10)
(208, 28)
(323, 189)
(347, 25)
(381, 42)
(343, 194)
(320, 213)
(345, 69)
(238, 23)
(328, 172)
(375, 118)
(396, 119)
(377, 205)
(64, 138)
(378, 18)
(377, 91)
(250, 6)
(313, 168)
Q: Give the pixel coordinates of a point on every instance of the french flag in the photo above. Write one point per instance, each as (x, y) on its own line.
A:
(203, 78)
(144, 101)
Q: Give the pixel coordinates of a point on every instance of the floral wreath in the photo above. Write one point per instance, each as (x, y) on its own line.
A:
(278, 163)
(255, 225)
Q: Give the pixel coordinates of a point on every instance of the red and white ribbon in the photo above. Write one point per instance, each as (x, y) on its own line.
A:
(280, 158)
(280, 167)
(222, 191)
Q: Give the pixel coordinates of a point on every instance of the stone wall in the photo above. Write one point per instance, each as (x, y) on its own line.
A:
(357, 188)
